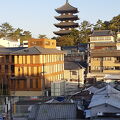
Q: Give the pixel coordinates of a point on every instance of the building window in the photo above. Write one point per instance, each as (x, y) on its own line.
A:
(36, 82)
(6, 68)
(31, 83)
(12, 59)
(7, 58)
(25, 83)
(18, 59)
(31, 59)
(18, 83)
(47, 43)
(74, 73)
(52, 43)
(12, 68)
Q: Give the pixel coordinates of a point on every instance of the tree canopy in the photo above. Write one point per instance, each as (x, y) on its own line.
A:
(80, 35)
(7, 30)
(85, 29)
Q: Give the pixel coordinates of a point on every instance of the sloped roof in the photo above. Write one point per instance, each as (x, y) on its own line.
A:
(53, 111)
(62, 32)
(102, 33)
(66, 8)
(72, 66)
(92, 89)
(66, 24)
(106, 95)
(36, 50)
(67, 17)
(104, 53)
(8, 50)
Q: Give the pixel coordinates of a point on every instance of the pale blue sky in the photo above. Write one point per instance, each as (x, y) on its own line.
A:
(37, 16)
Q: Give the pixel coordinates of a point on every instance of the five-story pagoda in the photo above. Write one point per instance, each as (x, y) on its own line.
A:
(66, 19)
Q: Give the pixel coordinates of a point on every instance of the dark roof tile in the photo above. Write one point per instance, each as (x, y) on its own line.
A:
(72, 66)
(67, 8)
(102, 33)
(37, 50)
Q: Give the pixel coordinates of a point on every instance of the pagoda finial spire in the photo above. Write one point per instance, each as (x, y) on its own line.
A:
(66, 1)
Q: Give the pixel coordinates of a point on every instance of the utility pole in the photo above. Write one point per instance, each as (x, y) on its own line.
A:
(42, 74)
(2, 87)
(11, 116)
(78, 79)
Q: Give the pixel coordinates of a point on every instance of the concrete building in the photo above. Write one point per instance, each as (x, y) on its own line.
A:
(7, 42)
(30, 71)
(104, 54)
(42, 42)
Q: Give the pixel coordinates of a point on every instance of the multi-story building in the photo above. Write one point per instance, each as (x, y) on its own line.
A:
(29, 71)
(104, 54)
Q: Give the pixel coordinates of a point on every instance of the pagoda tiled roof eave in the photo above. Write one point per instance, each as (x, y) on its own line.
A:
(62, 32)
(66, 11)
(66, 8)
(67, 17)
(66, 24)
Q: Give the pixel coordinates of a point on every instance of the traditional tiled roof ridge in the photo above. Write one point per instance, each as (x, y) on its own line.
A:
(67, 7)
(102, 33)
(63, 32)
(36, 50)
(67, 17)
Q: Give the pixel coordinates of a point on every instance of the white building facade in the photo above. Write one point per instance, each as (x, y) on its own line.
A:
(7, 42)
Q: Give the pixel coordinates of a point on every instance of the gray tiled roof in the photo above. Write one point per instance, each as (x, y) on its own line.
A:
(37, 50)
(66, 8)
(71, 66)
(102, 33)
(53, 111)
(66, 24)
(105, 53)
(106, 95)
(28, 51)
(8, 50)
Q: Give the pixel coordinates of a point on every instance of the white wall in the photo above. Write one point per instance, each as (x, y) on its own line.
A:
(103, 108)
(9, 43)
(25, 43)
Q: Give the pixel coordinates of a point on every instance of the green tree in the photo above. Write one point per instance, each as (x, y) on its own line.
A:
(69, 40)
(66, 40)
(106, 25)
(6, 30)
(85, 31)
(115, 23)
(17, 34)
(98, 25)
(42, 36)
(26, 35)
